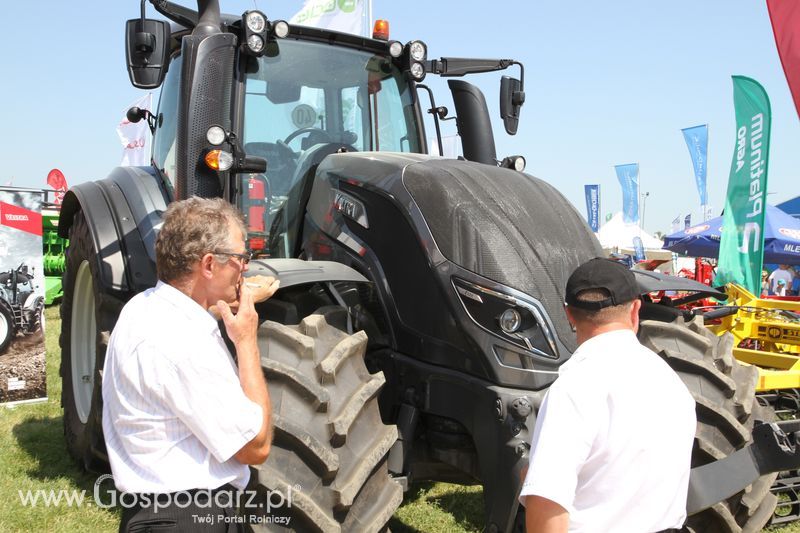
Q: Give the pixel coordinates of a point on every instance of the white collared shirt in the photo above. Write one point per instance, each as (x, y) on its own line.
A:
(174, 412)
(613, 439)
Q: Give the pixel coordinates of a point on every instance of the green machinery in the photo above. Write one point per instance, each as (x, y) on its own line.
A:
(53, 248)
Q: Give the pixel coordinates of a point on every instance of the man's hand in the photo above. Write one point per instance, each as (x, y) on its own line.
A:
(242, 329)
(243, 326)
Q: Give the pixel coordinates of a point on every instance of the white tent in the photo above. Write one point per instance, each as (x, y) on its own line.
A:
(617, 234)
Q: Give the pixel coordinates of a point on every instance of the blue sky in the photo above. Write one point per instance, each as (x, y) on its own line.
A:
(607, 83)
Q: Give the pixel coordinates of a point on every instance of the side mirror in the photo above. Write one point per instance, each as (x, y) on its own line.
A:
(511, 99)
(147, 51)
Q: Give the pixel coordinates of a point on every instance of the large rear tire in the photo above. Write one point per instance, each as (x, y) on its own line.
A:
(35, 317)
(6, 328)
(87, 318)
(330, 446)
(724, 391)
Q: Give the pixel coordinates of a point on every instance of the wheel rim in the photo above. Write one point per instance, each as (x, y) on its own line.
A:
(82, 341)
(4, 327)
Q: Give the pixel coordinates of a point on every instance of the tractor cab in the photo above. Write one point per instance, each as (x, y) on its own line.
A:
(278, 99)
(305, 101)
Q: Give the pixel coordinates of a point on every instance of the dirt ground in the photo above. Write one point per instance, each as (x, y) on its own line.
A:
(24, 359)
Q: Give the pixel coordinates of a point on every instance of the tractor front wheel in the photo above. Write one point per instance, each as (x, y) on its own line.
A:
(726, 407)
(87, 317)
(330, 446)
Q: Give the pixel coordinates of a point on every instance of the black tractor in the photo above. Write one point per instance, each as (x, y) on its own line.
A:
(21, 305)
(420, 316)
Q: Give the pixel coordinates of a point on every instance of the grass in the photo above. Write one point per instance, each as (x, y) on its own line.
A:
(33, 457)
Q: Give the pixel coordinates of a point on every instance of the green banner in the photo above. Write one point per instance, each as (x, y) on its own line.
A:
(741, 249)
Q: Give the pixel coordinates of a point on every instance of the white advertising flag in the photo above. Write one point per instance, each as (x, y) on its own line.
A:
(338, 15)
(134, 135)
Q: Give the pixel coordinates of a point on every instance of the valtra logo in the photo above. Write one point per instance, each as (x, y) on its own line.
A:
(16, 217)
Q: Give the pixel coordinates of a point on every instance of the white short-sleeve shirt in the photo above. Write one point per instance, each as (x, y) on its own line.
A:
(613, 439)
(174, 411)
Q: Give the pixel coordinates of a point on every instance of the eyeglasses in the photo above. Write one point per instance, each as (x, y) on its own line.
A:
(244, 258)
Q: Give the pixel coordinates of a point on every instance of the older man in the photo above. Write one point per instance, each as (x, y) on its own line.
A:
(613, 438)
(181, 421)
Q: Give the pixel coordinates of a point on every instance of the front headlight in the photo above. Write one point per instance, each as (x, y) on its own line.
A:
(510, 320)
(507, 317)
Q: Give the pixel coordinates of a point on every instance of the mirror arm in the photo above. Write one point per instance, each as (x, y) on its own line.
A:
(242, 163)
(458, 66)
(437, 113)
(518, 98)
(521, 76)
(176, 13)
(144, 42)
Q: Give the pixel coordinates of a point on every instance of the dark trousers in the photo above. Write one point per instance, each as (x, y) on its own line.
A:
(191, 510)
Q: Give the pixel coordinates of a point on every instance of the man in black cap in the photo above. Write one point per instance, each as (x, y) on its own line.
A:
(613, 438)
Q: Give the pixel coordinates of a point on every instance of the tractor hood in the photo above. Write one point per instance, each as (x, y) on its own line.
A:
(504, 226)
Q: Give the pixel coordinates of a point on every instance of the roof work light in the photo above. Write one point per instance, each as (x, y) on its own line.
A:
(416, 52)
(255, 26)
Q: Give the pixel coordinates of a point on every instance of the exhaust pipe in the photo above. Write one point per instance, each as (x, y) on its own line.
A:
(474, 125)
(210, 21)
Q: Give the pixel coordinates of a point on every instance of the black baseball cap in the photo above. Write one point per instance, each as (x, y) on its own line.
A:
(600, 273)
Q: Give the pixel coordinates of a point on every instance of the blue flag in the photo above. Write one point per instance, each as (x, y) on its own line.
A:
(592, 206)
(687, 222)
(628, 176)
(638, 249)
(697, 142)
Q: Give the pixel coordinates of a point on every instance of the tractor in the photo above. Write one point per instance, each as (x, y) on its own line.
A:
(20, 305)
(420, 317)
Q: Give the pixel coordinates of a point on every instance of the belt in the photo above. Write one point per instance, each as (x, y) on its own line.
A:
(170, 496)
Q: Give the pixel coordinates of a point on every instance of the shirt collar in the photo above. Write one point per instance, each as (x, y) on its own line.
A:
(188, 307)
(597, 345)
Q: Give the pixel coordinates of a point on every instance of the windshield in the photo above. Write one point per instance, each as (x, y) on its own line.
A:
(304, 100)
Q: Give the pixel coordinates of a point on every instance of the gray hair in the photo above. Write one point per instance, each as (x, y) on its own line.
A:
(191, 229)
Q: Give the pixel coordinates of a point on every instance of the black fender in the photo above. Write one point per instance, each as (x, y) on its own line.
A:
(293, 272)
(123, 212)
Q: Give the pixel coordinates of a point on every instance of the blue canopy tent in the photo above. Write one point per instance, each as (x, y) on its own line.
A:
(781, 238)
(791, 206)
